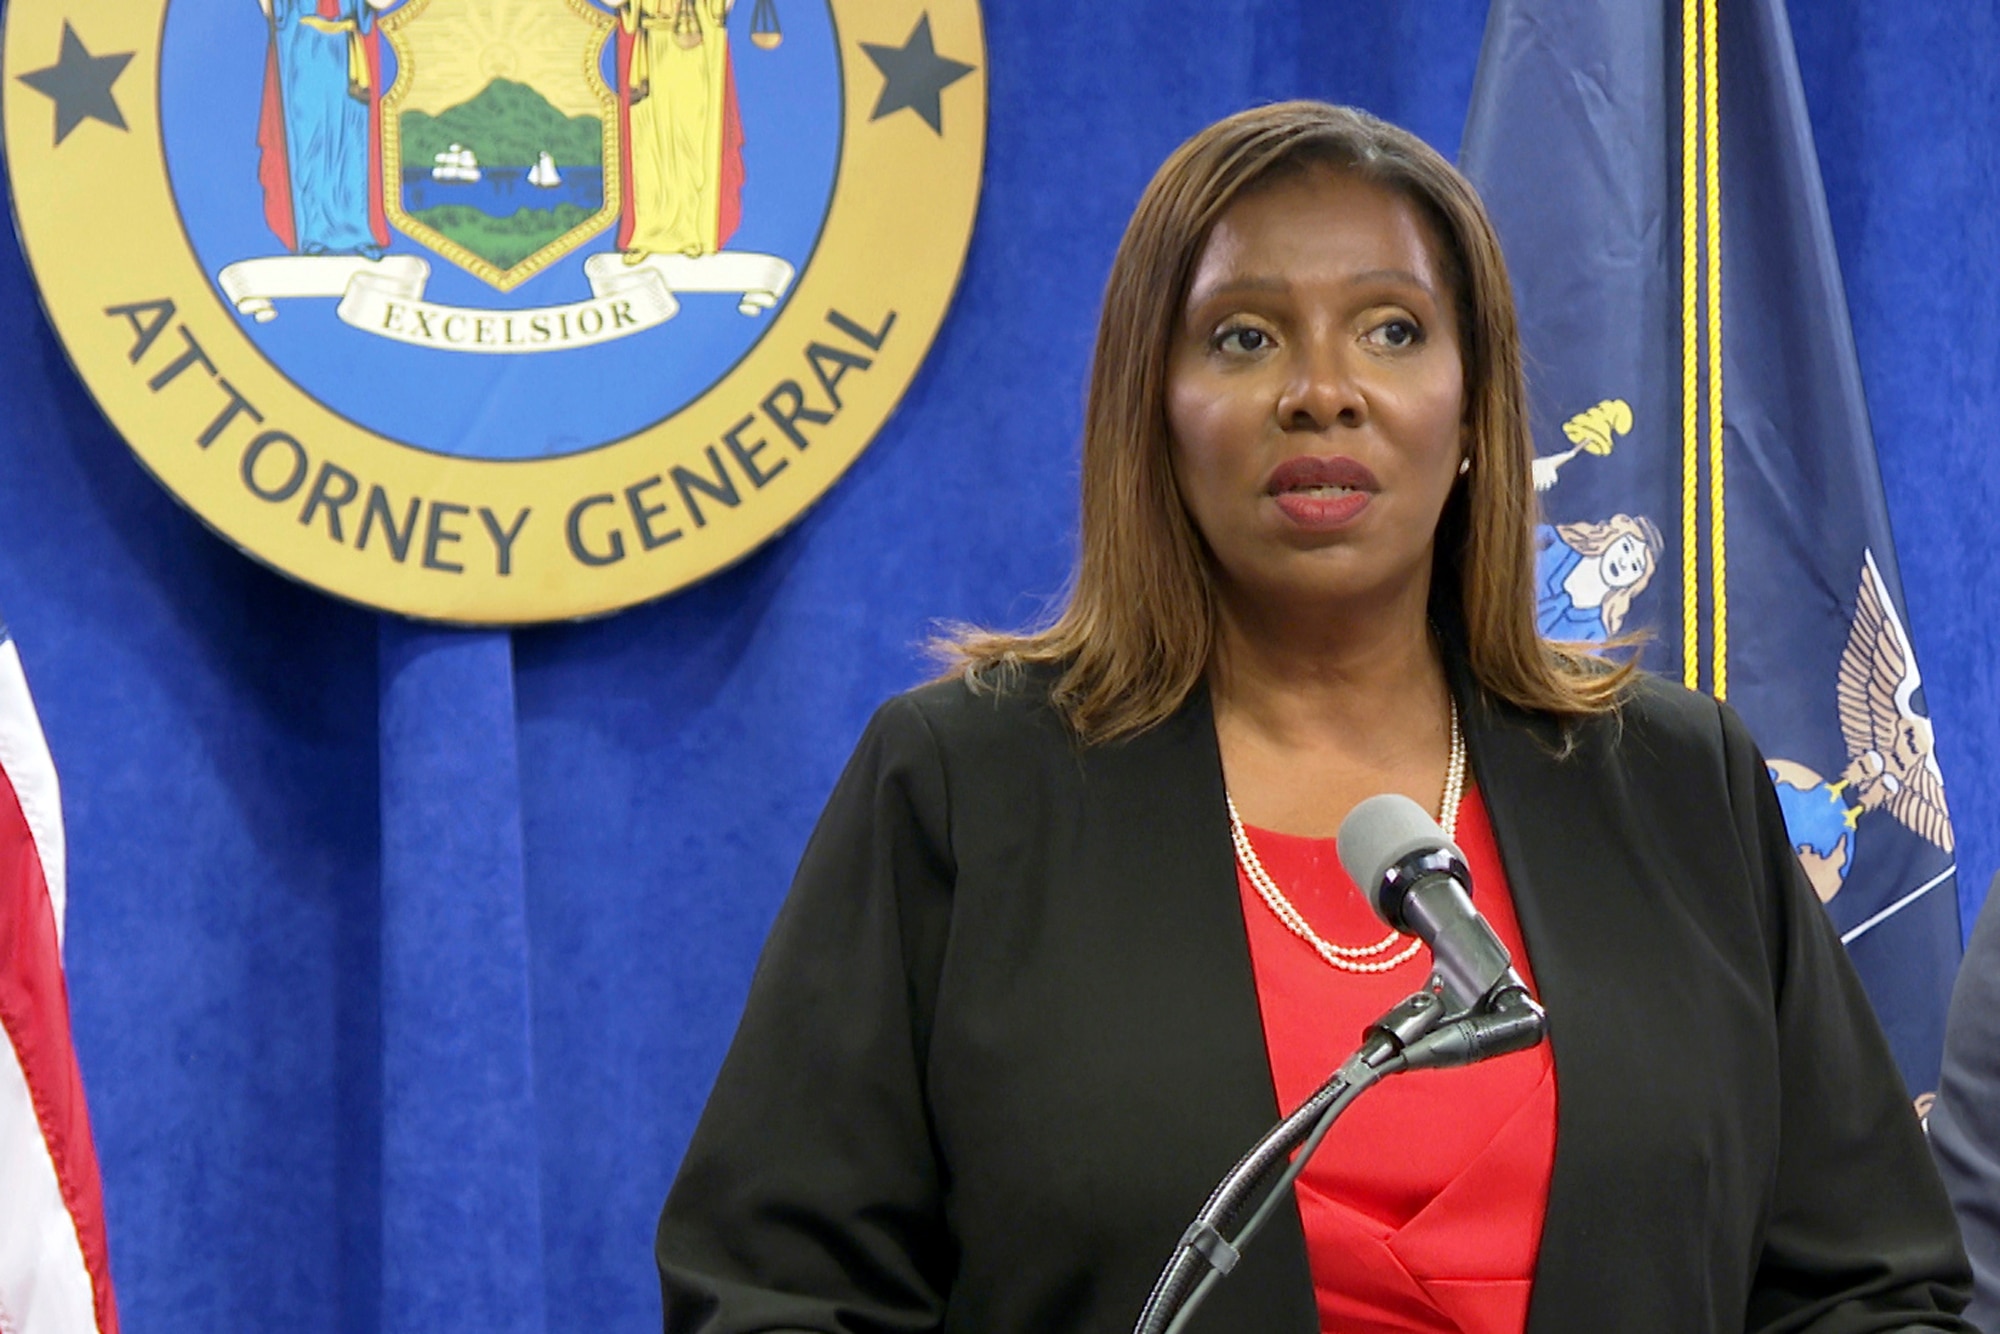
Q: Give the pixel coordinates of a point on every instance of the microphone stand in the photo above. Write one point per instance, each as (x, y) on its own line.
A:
(1413, 1035)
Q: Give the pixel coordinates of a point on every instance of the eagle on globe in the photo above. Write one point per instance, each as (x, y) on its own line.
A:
(1892, 762)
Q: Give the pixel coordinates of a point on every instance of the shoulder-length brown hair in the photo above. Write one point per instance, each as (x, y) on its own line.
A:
(1139, 626)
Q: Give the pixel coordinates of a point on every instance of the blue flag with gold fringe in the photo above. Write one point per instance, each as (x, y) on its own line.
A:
(1704, 460)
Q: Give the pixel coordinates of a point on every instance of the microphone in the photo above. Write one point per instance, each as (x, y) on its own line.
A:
(1475, 1006)
(1416, 880)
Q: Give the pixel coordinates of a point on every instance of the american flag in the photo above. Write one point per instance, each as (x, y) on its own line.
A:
(55, 1277)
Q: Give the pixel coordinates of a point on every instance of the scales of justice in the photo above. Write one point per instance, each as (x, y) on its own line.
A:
(764, 29)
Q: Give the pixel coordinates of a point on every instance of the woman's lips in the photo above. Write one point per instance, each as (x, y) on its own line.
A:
(1321, 494)
(1322, 512)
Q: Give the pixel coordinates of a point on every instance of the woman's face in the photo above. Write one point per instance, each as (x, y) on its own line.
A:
(1315, 397)
(1625, 561)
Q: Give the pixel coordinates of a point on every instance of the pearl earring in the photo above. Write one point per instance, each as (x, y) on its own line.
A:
(1464, 467)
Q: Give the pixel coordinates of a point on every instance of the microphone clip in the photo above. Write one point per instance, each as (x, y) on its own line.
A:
(1384, 1041)
(1508, 1021)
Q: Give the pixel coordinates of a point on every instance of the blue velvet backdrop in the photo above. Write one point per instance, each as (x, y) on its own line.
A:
(401, 959)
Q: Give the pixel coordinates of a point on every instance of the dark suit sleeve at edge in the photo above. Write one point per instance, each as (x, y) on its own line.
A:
(1860, 1236)
(1965, 1124)
(810, 1196)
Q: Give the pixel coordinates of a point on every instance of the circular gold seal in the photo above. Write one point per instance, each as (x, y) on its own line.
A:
(496, 311)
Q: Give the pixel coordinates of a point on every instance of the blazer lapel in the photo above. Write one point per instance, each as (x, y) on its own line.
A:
(1532, 799)
(1174, 773)
(1582, 872)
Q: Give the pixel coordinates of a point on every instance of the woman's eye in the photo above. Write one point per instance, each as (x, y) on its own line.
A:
(1397, 333)
(1242, 338)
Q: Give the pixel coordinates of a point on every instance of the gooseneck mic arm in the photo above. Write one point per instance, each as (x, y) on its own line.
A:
(1475, 1006)
(1204, 1255)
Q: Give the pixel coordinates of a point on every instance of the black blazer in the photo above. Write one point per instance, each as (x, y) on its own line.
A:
(1004, 1039)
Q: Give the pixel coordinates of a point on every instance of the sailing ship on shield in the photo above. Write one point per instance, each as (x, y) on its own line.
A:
(502, 147)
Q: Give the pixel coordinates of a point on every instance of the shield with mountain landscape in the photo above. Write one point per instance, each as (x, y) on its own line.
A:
(499, 140)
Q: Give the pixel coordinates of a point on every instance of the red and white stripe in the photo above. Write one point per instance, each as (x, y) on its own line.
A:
(54, 1274)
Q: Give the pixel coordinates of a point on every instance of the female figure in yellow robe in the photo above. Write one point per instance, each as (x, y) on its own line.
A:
(683, 141)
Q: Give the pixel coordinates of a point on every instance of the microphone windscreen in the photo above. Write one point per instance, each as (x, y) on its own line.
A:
(1380, 832)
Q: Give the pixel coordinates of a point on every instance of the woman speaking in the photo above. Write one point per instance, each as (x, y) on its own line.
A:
(1071, 934)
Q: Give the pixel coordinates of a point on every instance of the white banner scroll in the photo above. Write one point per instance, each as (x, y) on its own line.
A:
(385, 297)
(760, 280)
(253, 285)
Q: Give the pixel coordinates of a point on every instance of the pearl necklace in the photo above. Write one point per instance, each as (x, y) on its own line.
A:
(1350, 958)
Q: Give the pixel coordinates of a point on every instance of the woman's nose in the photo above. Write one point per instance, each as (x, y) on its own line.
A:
(1320, 392)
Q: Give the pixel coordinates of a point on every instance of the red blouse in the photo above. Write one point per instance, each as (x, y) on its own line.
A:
(1423, 1208)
